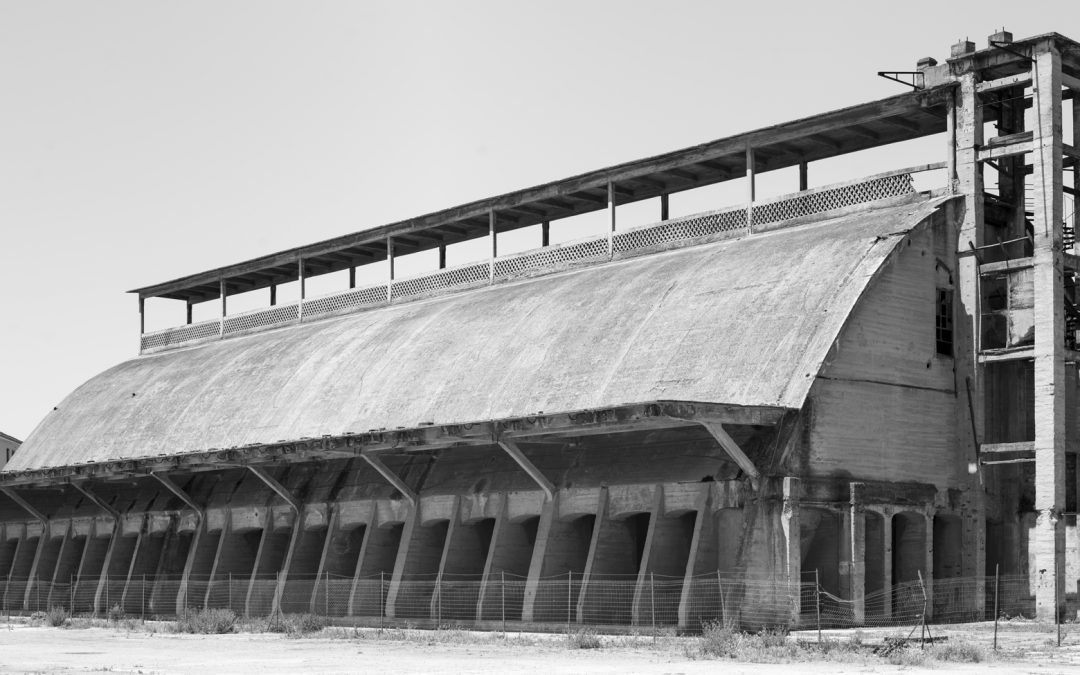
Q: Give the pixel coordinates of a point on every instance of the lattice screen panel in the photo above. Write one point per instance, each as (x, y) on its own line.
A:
(180, 335)
(265, 317)
(834, 198)
(690, 227)
(590, 249)
(458, 276)
(360, 297)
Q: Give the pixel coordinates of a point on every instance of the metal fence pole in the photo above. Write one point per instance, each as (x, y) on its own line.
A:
(720, 592)
(569, 594)
(817, 602)
(652, 598)
(502, 588)
(230, 590)
(142, 599)
(997, 581)
(326, 592)
(382, 608)
(71, 592)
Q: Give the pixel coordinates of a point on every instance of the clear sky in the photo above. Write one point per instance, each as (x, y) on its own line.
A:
(142, 140)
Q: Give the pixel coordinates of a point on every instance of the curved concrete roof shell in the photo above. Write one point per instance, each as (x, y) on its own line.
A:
(744, 321)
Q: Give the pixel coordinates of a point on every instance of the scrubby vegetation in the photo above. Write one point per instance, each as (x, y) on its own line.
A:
(206, 621)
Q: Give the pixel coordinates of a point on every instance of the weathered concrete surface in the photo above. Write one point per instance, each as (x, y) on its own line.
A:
(579, 340)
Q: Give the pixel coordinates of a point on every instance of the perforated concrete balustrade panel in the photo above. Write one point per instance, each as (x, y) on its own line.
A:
(742, 322)
(732, 221)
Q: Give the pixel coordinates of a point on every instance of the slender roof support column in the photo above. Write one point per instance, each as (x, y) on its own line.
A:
(515, 453)
(303, 294)
(142, 315)
(611, 218)
(664, 207)
(273, 294)
(221, 290)
(803, 176)
(494, 244)
(390, 266)
(352, 277)
(391, 477)
(750, 187)
(545, 233)
(733, 450)
(442, 257)
(189, 312)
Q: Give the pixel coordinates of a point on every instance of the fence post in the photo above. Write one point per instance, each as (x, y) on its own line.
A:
(997, 581)
(720, 592)
(569, 595)
(502, 589)
(817, 602)
(142, 599)
(230, 590)
(652, 599)
(382, 608)
(326, 592)
(71, 593)
(438, 600)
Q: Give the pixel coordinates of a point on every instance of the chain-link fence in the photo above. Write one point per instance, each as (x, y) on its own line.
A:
(567, 600)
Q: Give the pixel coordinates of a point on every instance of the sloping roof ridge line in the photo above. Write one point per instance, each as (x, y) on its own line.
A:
(892, 240)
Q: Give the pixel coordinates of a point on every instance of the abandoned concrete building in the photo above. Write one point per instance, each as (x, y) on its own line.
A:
(863, 384)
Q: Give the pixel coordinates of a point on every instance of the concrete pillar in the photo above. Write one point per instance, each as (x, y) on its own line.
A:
(966, 115)
(1048, 545)
(508, 561)
(257, 568)
(409, 539)
(283, 576)
(322, 578)
(66, 561)
(928, 575)
(131, 564)
(377, 561)
(702, 549)
(189, 565)
(886, 561)
(601, 526)
(664, 551)
(103, 581)
(222, 543)
(789, 523)
(461, 566)
(857, 570)
(539, 556)
(42, 543)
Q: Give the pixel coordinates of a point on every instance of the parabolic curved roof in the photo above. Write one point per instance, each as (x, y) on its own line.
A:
(744, 322)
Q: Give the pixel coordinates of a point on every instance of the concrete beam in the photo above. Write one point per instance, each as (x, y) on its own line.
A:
(277, 488)
(180, 494)
(538, 477)
(24, 505)
(391, 478)
(539, 555)
(733, 450)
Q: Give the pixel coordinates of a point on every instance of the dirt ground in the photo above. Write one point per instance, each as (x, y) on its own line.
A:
(31, 649)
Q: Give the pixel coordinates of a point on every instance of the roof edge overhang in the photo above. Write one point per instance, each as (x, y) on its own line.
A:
(609, 420)
(778, 146)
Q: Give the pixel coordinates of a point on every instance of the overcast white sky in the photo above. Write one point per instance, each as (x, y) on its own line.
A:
(142, 140)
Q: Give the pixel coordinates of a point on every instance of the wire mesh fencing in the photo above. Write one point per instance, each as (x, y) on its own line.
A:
(555, 602)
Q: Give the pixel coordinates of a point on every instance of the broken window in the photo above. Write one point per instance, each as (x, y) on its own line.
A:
(944, 322)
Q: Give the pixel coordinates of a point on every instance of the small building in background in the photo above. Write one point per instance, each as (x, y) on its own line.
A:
(8, 446)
